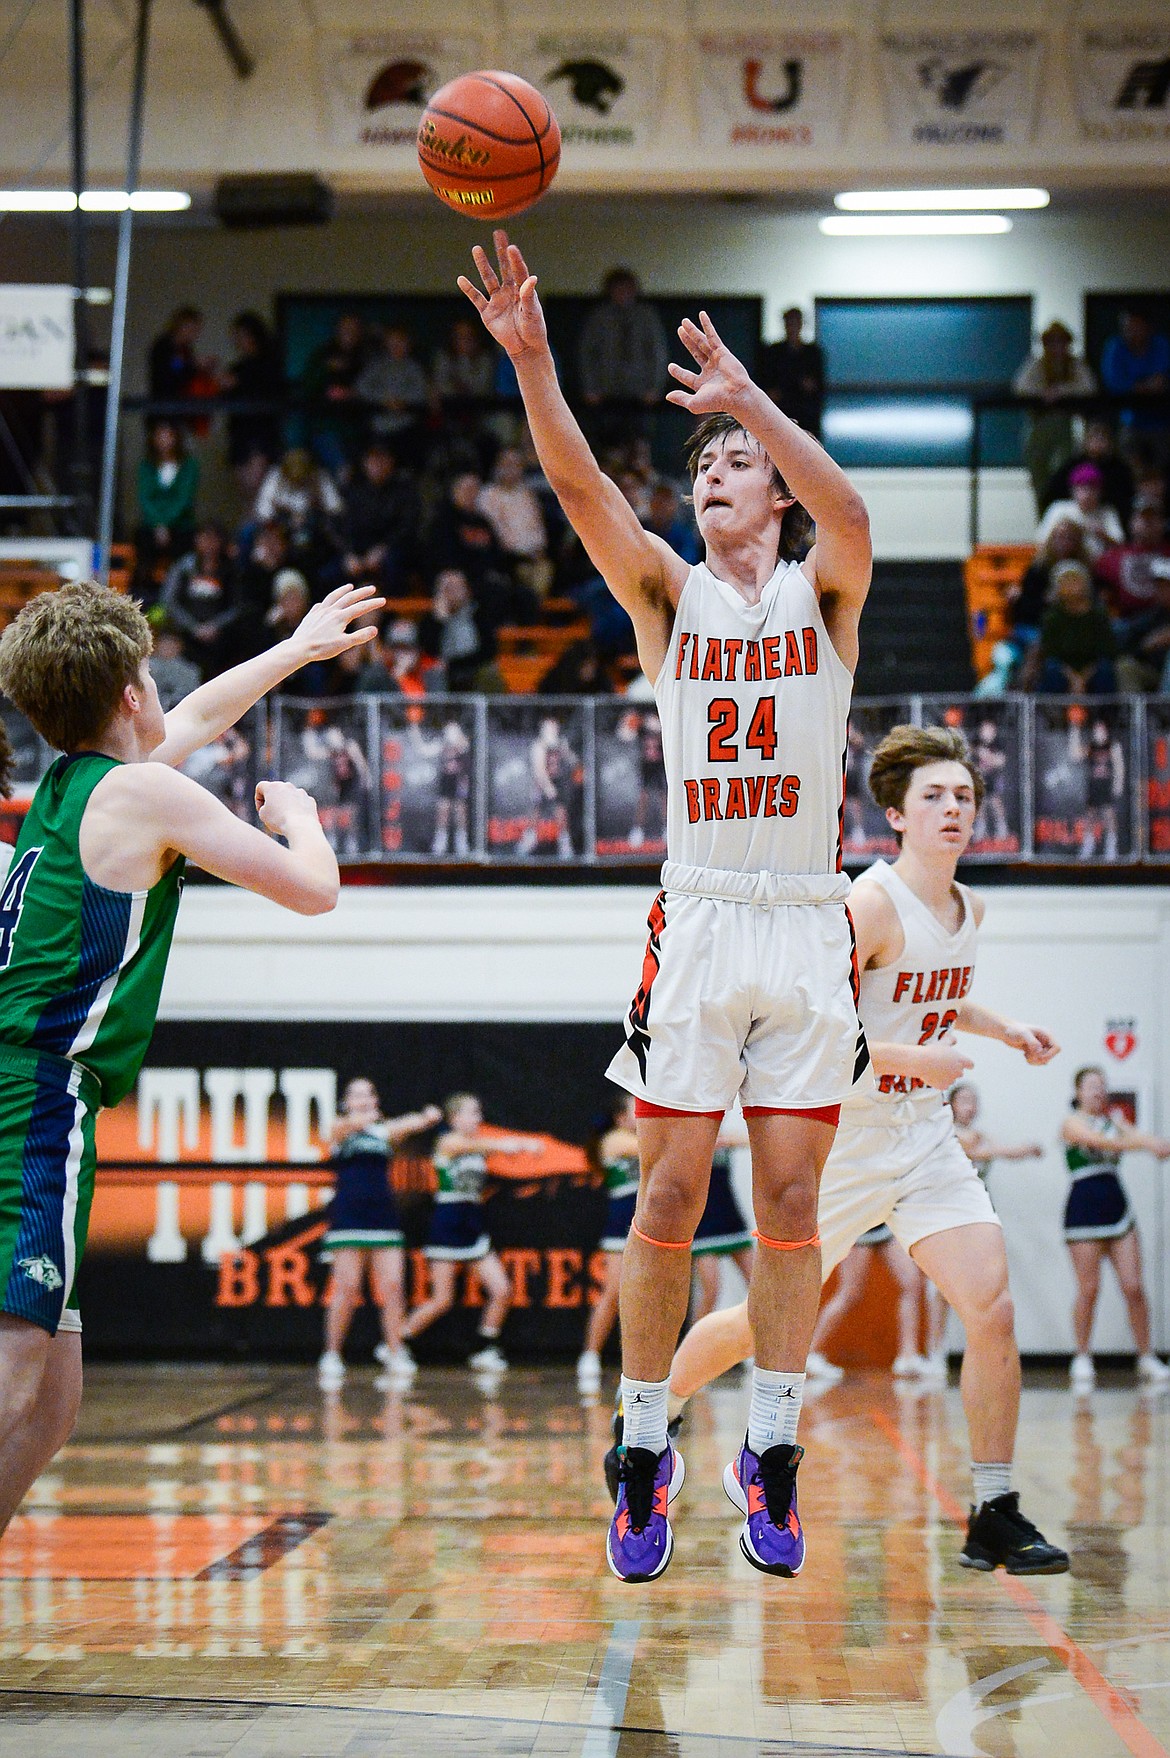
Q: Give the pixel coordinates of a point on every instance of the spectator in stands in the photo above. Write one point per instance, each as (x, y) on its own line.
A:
(174, 676)
(1099, 447)
(410, 672)
(1137, 358)
(1054, 374)
(514, 512)
(303, 496)
(336, 415)
(455, 632)
(1145, 661)
(1131, 571)
(622, 355)
(200, 603)
(394, 388)
(792, 372)
(268, 557)
(666, 518)
(173, 364)
(168, 487)
(578, 672)
(254, 376)
(362, 671)
(379, 521)
(1027, 602)
(1077, 647)
(463, 370)
(464, 539)
(1085, 508)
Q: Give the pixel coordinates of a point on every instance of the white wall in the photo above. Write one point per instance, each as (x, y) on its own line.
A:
(1072, 960)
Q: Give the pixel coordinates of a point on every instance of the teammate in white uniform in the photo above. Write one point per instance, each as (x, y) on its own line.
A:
(896, 1157)
(748, 983)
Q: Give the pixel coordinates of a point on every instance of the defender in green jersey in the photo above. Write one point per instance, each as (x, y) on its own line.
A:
(87, 911)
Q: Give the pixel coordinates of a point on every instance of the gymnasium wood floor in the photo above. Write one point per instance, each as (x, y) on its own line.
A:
(227, 1562)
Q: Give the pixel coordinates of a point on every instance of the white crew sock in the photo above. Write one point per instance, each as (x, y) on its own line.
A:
(675, 1406)
(989, 1481)
(775, 1409)
(644, 1414)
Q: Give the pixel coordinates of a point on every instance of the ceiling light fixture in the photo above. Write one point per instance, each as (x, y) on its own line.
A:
(93, 201)
(912, 225)
(938, 200)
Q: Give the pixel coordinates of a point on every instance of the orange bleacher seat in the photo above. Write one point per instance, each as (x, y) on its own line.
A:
(20, 581)
(987, 575)
(522, 672)
(407, 607)
(537, 638)
(123, 558)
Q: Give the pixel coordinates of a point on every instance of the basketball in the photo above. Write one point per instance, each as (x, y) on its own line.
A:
(489, 145)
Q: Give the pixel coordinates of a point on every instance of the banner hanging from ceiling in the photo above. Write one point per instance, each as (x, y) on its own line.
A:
(1122, 81)
(378, 85)
(36, 338)
(774, 90)
(961, 88)
(605, 86)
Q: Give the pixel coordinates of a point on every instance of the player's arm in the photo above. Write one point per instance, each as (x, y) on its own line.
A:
(939, 1064)
(1038, 1046)
(324, 632)
(643, 573)
(398, 1129)
(840, 562)
(1078, 1132)
(879, 938)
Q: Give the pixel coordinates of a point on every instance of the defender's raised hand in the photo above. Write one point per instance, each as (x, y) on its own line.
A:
(324, 632)
(721, 383)
(510, 308)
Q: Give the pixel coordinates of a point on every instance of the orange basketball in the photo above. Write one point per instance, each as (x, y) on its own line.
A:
(488, 145)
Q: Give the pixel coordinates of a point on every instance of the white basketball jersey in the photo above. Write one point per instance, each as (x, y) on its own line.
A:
(753, 700)
(913, 1000)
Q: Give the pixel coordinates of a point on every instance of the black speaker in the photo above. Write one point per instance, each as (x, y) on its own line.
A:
(279, 198)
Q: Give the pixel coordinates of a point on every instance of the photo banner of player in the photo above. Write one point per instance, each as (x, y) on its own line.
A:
(605, 86)
(377, 84)
(994, 729)
(866, 833)
(1121, 76)
(1156, 777)
(961, 88)
(539, 771)
(213, 1183)
(330, 748)
(1083, 780)
(431, 758)
(630, 783)
(773, 89)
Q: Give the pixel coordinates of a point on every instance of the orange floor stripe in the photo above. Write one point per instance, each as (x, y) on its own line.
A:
(120, 1547)
(1128, 1727)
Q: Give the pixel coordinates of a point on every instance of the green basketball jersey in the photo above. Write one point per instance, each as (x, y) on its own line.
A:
(81, 967)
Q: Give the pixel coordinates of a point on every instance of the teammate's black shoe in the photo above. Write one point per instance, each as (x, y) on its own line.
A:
(997, 1533)
(613, 1459)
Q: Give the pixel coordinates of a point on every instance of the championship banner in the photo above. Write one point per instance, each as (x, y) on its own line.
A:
(773, 89)
(537, 765)
(994, 729)
(630, 781)
(1083, 773)
(961, 88)
(606, 87)
(213, 1184)
(1122, 80)
(1156, 777)
(432, 781)
(377, 85)
(865, 833)
(36, 338)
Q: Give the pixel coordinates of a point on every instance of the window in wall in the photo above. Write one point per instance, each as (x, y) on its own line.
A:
(901, 374)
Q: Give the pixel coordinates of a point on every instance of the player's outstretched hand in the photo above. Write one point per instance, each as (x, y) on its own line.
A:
(942, 1064)
(324, 630)
(1037, 1045)
(721, 383)
(280, 805)
(510, 307)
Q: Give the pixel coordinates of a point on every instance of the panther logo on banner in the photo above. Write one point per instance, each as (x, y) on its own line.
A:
(378, 85)
(961, 88)
(606, 87)
(1123, 83)
(769, 91)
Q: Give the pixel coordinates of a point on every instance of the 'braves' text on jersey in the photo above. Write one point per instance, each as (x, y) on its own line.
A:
(754, 701)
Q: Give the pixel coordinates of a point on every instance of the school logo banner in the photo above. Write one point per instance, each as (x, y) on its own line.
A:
(606, 87)
(773, 91)
(1123, 83)
(961, 88)
(378, 84)
(36, 338)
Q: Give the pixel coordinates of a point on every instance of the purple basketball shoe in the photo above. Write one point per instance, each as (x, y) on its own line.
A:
(640, 1541)
(764, 1489)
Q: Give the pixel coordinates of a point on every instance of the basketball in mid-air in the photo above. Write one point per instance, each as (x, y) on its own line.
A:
(489, 145)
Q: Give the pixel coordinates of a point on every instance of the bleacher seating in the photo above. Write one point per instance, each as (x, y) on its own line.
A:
(988, 573)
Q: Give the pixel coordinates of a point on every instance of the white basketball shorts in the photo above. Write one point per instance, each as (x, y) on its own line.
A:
(913, 1176)
(749, 989)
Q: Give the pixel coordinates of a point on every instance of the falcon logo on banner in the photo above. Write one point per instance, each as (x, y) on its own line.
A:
(377, 86)
(605, 88)
(1123, 84)
(961, 88)
(774, 91)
